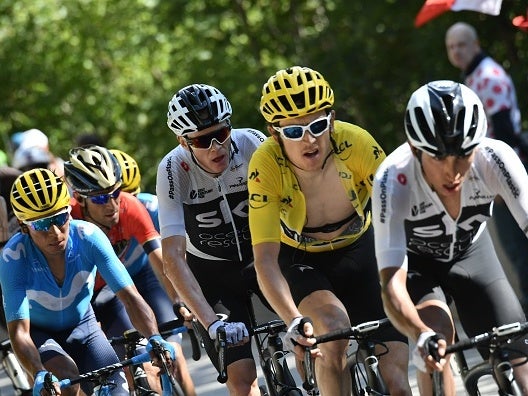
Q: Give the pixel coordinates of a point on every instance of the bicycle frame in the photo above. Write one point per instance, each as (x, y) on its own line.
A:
(14, 369)
(132, 338)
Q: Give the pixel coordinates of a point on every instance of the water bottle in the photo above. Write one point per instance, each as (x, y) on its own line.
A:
(15, 372)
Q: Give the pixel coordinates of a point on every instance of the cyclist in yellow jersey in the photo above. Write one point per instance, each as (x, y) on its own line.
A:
(309, 193)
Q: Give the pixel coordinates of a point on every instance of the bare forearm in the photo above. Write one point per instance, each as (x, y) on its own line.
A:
(156, 261)
(190, 291)
(140, 314)
(401, 310)
(272, 282)
(277, 292)
(26, 351)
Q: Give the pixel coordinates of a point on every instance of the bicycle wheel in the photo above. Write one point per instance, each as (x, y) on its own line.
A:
(438, 383)
(473, 376)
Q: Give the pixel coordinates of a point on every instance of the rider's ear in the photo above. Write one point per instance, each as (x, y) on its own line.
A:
(183, 142)
(78, 198)
(23, 228)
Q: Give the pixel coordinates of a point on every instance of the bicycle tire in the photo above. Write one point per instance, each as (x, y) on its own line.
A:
(473, 375)
(438, 383)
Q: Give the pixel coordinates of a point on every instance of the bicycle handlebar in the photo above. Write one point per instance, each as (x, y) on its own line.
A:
(271, 328)
(221, 346)
(95, 374)
(166, 329)
(501, 334)
(358, 331)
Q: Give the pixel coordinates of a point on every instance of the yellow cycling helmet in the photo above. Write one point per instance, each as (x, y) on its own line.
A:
(37, 193)
(294, 92)
(130, 174)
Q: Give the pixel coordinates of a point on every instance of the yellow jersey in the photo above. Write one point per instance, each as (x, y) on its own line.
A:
(277, 207)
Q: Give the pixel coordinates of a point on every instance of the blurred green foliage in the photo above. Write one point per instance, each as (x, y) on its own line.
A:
(110, 67)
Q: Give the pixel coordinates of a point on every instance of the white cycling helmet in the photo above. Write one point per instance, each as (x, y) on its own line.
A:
(196, 107)
(92, 169)
(445, 118)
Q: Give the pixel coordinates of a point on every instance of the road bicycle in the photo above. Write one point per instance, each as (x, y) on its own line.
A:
(100, 377)
(362, 359)
(14, 370)
(499, 343)
(132, 339)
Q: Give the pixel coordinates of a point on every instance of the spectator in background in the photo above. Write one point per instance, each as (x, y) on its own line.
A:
(27, 158)
(34, 142)
(495, 88)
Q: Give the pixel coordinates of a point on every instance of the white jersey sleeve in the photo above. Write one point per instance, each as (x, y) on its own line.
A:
(390, 202)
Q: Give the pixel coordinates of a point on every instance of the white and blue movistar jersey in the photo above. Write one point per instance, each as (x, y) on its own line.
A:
(30, 290)
(212, 212)
(409, 217)
(135, 257)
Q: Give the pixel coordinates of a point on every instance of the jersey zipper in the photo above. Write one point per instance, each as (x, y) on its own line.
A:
(230, 214)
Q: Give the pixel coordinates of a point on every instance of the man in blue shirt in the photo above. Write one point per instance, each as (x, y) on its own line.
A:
(47, 272)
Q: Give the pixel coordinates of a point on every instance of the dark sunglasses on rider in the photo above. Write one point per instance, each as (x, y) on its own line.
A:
(45, 223)
(296, 132)
(206, 141)
(103, 199)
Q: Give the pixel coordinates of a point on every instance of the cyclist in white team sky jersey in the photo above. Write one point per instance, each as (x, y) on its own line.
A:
(431, 199)
(48, 273)
(203, 214)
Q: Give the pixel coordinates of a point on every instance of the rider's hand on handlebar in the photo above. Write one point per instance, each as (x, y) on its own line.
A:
(236, 332)
(428, 355)
(300, 332)
(183, 315)
(156, 341)
(38, 387)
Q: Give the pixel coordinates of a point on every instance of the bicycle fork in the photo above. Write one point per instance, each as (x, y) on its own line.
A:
(376, 384)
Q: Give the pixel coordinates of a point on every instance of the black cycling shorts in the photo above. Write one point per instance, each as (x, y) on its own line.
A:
(350, 273)
(227, 287)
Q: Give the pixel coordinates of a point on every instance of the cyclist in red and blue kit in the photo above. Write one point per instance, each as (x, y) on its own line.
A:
(94, 174)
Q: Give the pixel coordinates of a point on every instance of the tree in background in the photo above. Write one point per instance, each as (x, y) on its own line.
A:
(110, 67)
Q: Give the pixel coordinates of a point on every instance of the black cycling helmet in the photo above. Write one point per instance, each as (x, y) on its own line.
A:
(197, 107)
(445, 118)
(92, 169)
